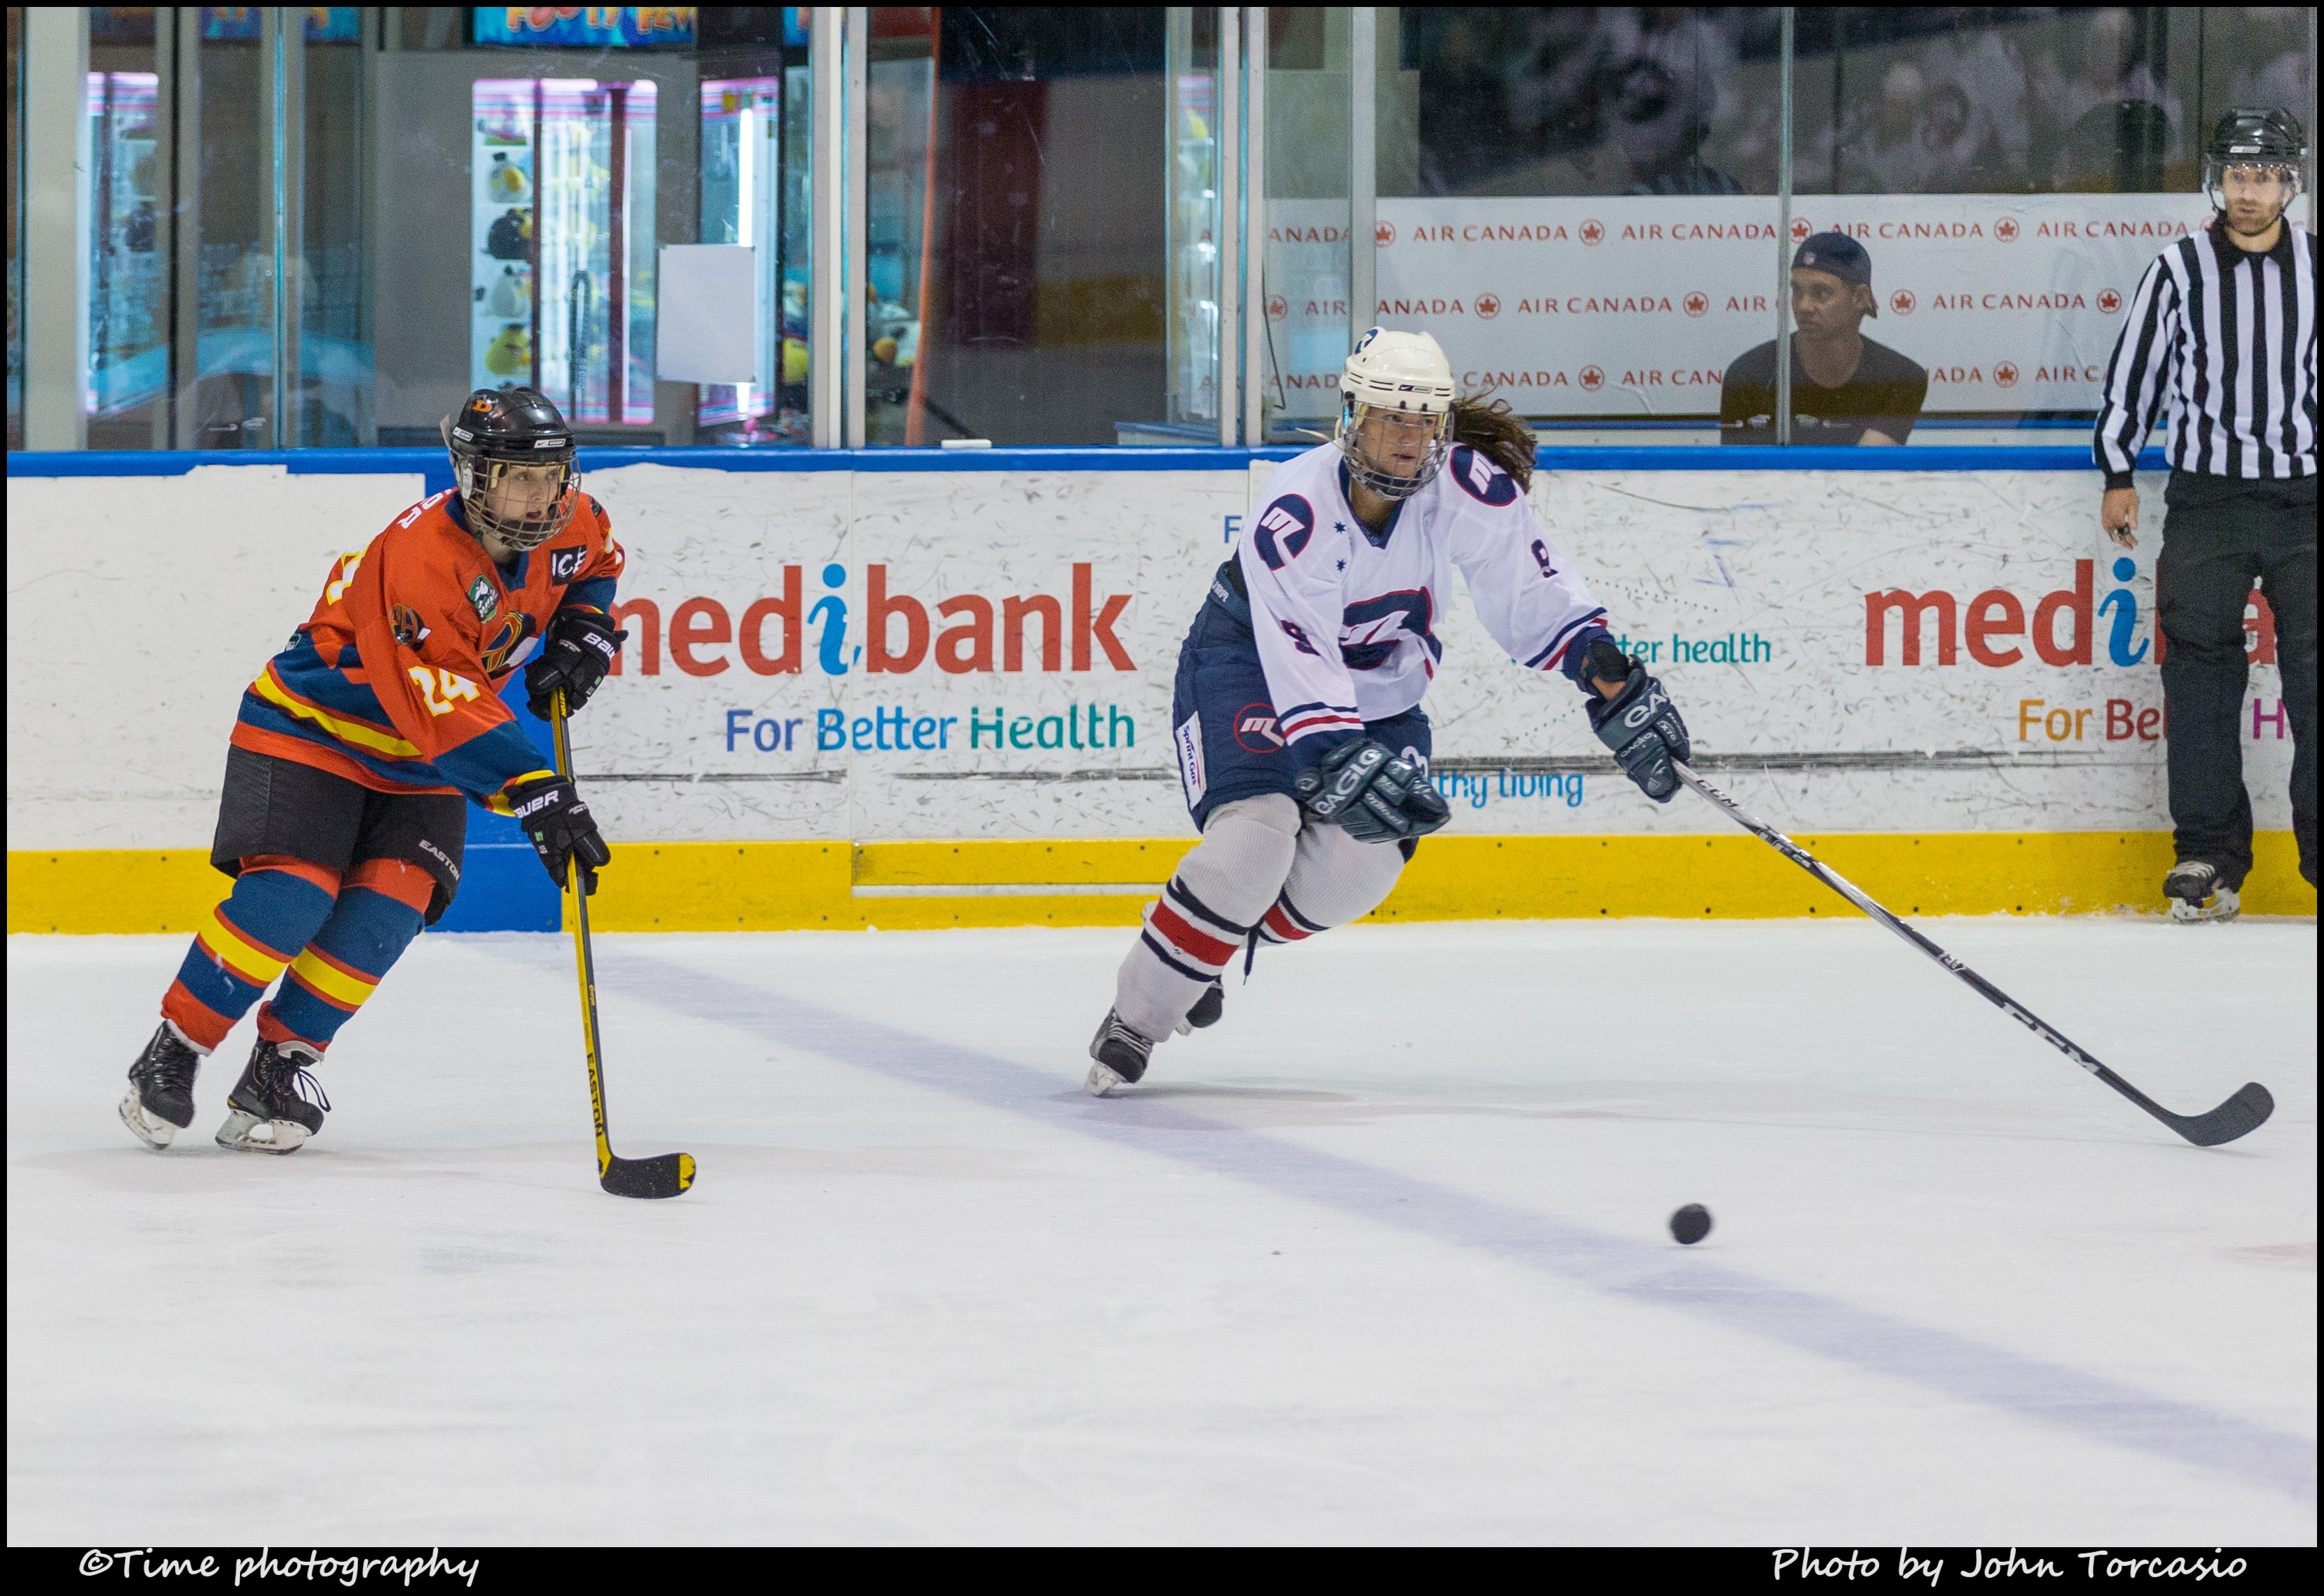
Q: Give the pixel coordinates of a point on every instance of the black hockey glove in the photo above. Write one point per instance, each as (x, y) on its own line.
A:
(561, 828)
(1374, 795)
(579, 649)
(1639, 723)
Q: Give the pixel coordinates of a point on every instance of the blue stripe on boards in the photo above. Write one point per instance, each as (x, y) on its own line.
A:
(1957, 1367)
(430, 463)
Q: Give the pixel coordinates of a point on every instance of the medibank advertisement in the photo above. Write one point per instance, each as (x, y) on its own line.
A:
(882, 656)
(994, 655)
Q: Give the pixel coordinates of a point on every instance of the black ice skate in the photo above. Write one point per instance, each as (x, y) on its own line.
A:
(2197, 893)
(161, 1100)
(1206, 1011)
(276, 1104)
(1121, 1054)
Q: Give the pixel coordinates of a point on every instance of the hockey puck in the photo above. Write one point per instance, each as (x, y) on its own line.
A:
(1691, 1223)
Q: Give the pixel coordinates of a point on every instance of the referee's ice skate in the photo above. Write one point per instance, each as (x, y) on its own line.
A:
(2198, 893)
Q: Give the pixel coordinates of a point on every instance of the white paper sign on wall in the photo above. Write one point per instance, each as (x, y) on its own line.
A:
(706, 322)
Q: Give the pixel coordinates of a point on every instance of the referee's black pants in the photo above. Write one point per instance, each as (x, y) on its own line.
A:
(2218, 533)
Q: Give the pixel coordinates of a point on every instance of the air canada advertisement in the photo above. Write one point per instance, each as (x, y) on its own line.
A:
(1636, 307)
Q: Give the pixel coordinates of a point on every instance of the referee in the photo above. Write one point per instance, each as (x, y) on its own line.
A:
(2223, 329)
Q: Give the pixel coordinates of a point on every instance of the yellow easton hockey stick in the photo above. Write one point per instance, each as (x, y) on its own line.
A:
(668, 1173)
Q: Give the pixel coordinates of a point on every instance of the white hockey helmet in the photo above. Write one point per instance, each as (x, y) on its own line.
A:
(1395, 373)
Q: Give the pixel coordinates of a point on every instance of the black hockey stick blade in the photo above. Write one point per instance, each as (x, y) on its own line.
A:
(2240, 1115)
(668, 1175)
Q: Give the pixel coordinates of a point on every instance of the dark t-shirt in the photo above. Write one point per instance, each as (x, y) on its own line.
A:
(1885, 393)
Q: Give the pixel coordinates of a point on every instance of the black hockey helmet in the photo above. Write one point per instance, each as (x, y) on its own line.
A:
(512, 456)
(2249, 136)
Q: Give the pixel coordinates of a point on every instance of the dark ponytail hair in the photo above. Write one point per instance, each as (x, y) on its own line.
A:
(1492, 430)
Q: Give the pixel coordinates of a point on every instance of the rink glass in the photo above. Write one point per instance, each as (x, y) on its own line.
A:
(318, 227)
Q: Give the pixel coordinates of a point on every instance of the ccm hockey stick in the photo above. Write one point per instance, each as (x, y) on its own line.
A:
(670, 1173)
(2241, 1114)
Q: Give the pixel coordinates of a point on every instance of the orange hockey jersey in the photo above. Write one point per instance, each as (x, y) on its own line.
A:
(393, 682)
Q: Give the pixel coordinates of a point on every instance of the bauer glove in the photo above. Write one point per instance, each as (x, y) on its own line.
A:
(579, 649)
(1639, 723)
(1374, 796)
(560, 826)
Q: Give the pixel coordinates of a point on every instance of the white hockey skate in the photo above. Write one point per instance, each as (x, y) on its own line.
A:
(2197, 894)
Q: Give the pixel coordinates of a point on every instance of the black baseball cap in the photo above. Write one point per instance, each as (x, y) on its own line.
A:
(1838, 254)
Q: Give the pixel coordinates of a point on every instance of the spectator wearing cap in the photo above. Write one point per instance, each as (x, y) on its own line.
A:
(1845, 388)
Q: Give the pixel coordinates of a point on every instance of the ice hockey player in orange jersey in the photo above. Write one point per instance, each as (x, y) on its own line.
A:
(357, 749)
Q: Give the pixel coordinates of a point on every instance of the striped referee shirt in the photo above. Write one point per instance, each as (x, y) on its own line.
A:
(2229, 339)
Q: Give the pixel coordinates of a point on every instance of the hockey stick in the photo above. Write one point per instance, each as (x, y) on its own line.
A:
(662, 1177)
(2241, 1114)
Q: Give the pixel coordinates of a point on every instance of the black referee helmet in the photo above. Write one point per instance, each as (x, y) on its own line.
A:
(2270, 139)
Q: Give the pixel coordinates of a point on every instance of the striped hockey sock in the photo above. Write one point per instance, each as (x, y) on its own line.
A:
(379, 912)
(1186, 944)
(277, 904)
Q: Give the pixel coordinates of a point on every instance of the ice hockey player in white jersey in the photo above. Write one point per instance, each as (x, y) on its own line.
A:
(1297, 716)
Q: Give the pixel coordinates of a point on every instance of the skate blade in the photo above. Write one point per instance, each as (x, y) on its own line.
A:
(2217, 909)
(157, 1134)
(1101, 1081)
(247, 1133)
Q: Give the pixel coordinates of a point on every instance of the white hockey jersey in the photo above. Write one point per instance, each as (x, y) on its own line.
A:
(1346, 619)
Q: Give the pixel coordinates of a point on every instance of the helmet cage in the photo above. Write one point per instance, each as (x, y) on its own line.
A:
(480, 478)
(2215, 174)
(1353, 411)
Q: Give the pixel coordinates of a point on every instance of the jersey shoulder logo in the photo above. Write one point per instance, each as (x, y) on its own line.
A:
(564, 563)
(410, 630)
(1481, 479)
(1283, 530)
(486, 601)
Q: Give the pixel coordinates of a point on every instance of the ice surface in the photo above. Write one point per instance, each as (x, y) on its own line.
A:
(1382, 1257)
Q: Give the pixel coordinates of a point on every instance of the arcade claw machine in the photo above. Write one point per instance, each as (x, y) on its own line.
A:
(562, 232)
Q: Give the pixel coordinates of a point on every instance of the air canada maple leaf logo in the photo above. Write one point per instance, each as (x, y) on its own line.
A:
(1593, 231)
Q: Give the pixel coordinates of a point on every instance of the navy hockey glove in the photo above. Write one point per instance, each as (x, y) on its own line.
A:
(579, 649)
(560, 826)
(1375, 796)
(1639, 723)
